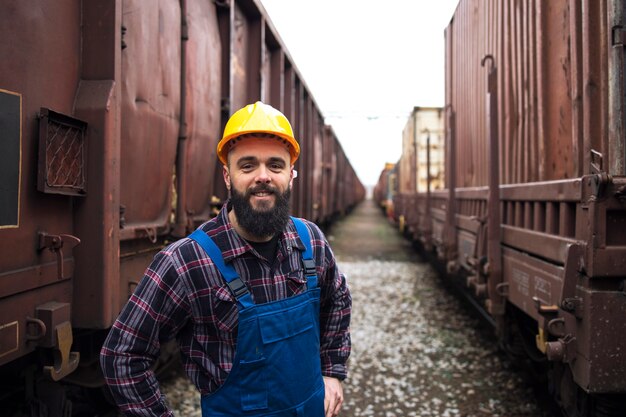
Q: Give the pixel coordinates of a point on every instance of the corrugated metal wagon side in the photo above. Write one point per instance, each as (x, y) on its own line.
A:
(534, 207)
(110, 112)
(67, 124)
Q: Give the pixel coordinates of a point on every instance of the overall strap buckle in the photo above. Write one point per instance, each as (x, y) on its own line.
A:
(237, 287)
(307, 256)
(309, 267)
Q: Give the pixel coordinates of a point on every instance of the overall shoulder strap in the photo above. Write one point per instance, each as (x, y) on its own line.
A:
(234, 282)
(307, 255)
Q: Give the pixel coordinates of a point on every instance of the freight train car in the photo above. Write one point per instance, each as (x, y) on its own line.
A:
(385, 189)
(110, 112)
(533, 214)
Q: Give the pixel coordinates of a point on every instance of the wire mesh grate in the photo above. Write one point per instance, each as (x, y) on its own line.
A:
(62, 154)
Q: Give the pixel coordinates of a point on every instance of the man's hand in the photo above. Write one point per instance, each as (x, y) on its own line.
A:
(333, 397)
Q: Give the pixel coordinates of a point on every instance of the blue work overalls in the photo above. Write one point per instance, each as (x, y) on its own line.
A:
(276, 370)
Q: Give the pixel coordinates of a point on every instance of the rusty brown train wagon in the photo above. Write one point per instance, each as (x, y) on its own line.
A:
(110, 112)
(334, 188)
(533, 214)
(385, 187)
(348, 191)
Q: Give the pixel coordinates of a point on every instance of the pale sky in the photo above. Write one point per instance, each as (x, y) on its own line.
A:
(367, 64)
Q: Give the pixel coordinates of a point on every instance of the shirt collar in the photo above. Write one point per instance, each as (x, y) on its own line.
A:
(232, 245)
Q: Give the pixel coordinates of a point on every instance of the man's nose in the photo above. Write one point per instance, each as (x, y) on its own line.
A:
(263, 175)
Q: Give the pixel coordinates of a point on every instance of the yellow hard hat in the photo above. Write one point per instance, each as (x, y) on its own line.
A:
(257, 118)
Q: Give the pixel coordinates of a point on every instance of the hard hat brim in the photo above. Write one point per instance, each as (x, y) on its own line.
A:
(223, 148)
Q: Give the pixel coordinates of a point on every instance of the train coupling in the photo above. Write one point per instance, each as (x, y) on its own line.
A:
(53, 329)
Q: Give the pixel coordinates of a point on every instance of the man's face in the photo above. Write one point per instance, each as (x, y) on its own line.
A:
(259, 176)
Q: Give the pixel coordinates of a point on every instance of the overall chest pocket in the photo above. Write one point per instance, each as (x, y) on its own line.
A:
(285, 324)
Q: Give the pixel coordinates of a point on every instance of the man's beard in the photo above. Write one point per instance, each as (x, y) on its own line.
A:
(266, 222)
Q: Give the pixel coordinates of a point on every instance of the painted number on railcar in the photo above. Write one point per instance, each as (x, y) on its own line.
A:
(522, 281)
(10, 157)
(543, 290)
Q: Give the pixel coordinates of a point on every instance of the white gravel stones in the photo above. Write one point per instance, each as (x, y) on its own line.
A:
(182, 396)
(416, 352)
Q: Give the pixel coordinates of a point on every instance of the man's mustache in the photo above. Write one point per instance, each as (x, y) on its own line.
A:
(262, 188)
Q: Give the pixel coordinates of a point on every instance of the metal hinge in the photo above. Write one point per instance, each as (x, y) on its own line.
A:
(600, 178)
(574, 268)
(123, 40)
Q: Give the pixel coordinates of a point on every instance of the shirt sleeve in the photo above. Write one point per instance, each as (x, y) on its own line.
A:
(153, 315)
(335, 311)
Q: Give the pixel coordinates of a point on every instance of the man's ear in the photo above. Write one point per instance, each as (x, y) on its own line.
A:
(292, 174)
(226, 175)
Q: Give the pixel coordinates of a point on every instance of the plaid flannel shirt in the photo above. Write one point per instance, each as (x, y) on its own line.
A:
(183, 295)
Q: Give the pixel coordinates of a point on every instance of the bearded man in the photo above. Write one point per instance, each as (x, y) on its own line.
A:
(253, 296)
